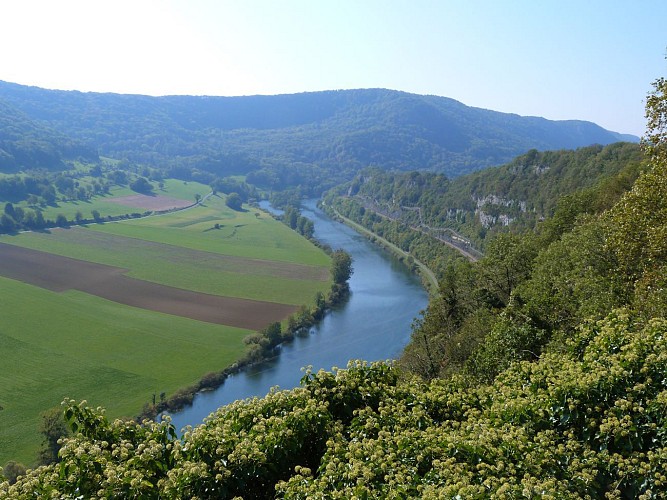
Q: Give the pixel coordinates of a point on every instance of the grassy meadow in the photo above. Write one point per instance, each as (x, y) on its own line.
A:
(80, 346)
(72, 344)
(172, 187)
(156, 249)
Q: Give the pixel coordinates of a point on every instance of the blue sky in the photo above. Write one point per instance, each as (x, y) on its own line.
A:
(591, 60)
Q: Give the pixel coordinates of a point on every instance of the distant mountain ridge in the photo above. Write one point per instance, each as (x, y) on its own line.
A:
(320, 137)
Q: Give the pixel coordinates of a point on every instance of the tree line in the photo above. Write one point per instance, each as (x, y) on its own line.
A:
(515, 197)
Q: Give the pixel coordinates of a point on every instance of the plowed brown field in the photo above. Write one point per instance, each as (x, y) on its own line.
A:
(151, 202)
(58, 273)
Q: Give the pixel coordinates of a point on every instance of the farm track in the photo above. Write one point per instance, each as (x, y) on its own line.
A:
(58, 273)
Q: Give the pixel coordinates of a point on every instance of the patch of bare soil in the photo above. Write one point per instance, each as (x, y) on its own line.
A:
(148, 202)
(58, 273)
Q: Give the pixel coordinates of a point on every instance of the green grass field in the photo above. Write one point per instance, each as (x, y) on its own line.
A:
(242, 234)
(126, 244)
(71, 344)
(172, 187)
(80, 346)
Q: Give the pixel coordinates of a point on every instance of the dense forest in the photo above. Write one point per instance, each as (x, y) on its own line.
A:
(417, 211)
(313, 140)
(538, 371)
(26, 144)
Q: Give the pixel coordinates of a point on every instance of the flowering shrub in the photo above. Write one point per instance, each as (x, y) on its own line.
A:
(585, 421)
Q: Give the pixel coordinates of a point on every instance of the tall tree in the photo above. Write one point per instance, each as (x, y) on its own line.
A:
(53, 428)
(7, 224)
(9, 210)
(234, 201)
(12, 470)
(341, 266)
(639, 221)
(141, 185)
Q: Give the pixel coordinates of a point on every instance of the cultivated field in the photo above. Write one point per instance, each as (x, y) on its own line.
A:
(60, 274)
(122, 200)
(150, 202)
(117, 312)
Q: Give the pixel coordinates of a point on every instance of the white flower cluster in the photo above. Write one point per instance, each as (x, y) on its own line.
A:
(584, 422)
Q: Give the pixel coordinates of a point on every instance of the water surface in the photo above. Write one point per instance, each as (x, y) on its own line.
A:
(374, 324)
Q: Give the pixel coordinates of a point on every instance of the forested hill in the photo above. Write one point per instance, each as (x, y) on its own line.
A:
(514, 197)
(27, 144)
(314, 139)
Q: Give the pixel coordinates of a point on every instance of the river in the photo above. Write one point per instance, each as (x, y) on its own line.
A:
(374, 324)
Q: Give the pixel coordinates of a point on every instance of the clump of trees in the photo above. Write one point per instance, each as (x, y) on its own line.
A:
(341, 270)
(232, 185)
(26, 195)
(302, 225)
(141, 185)
(12, 470)
(15, 218)
(37, 189)
(234, 201)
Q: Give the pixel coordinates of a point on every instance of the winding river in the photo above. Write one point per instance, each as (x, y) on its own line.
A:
(374, 324)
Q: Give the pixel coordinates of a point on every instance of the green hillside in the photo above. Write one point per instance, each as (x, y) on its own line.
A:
(514, 197)
(549, 383)
(315, 140)
(27, 144)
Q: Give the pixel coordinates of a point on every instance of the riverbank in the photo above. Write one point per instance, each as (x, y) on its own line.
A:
(263, 345)
(427, 275)
(374, 324)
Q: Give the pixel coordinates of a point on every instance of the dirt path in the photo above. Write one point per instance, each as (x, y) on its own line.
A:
(151, 202)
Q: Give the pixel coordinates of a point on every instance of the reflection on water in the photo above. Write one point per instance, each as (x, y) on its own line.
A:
(374, 324)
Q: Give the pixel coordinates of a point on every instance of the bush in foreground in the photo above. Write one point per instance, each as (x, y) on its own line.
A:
(587, 421)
